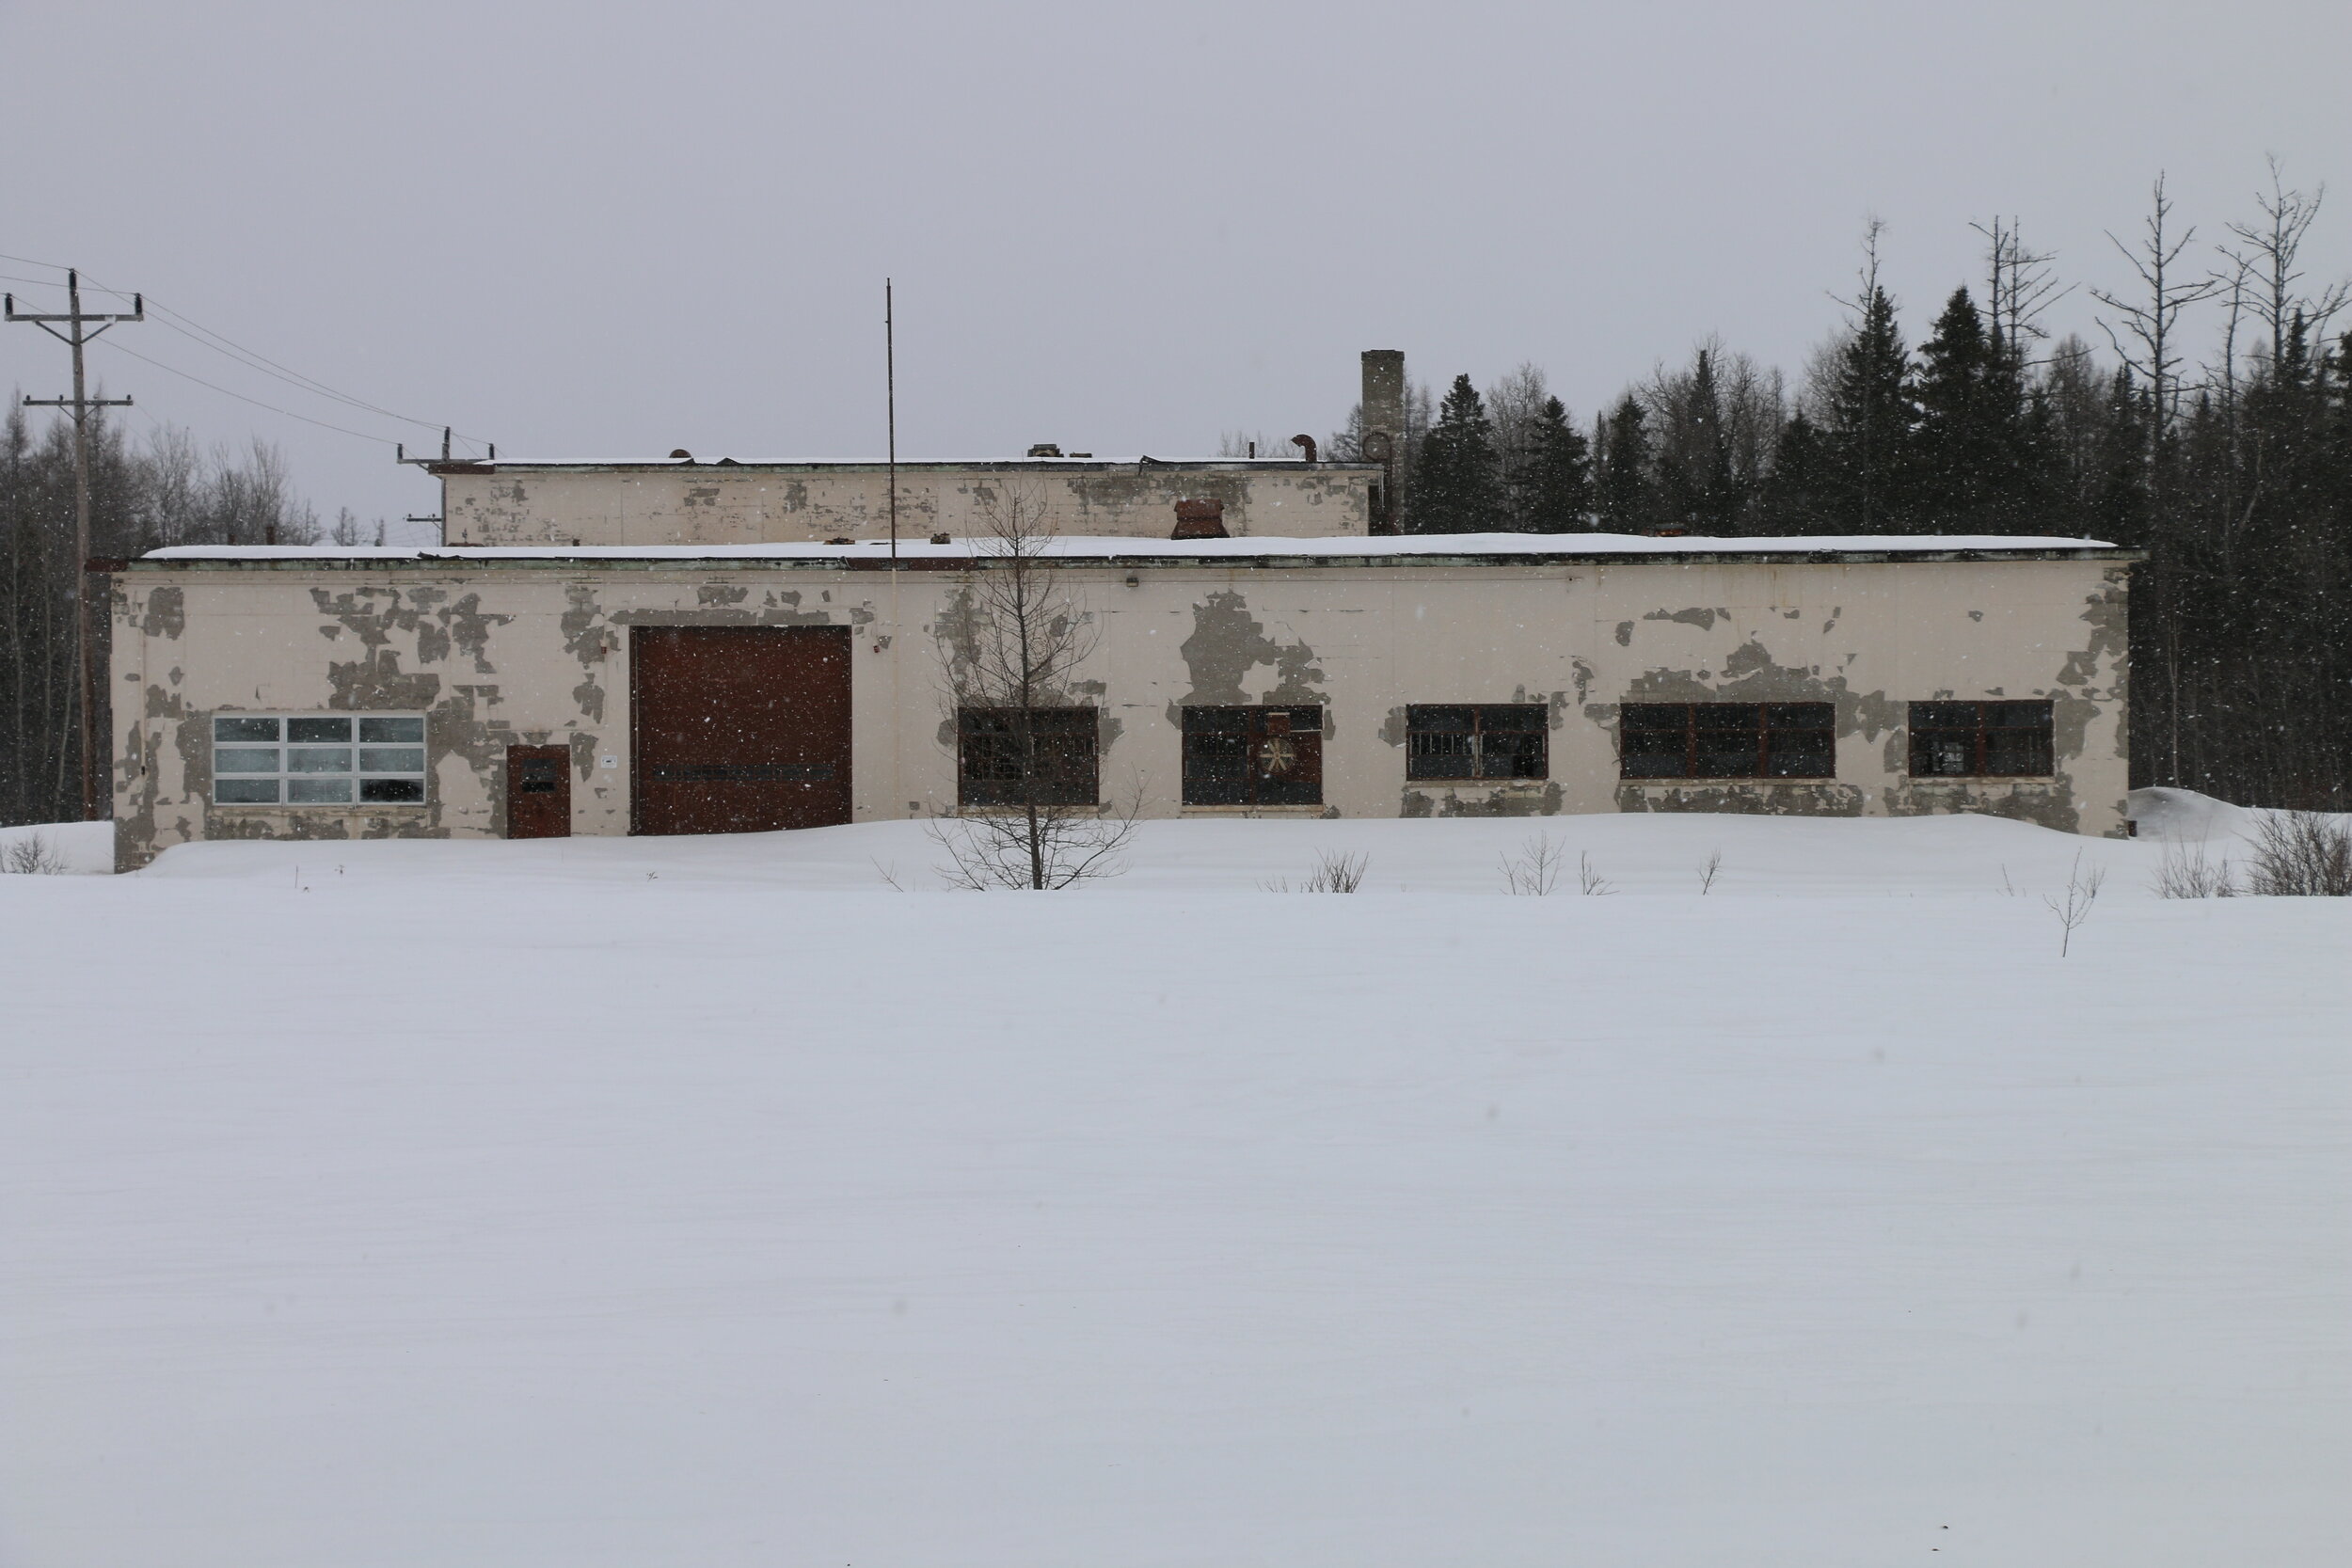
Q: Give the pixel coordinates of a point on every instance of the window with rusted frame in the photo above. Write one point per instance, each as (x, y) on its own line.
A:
(1009, 756)
(1727, 740)
(1980, 740)
(1475, 741)
(1253, 756)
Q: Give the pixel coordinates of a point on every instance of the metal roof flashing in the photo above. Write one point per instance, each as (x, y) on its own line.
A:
(1464, 552)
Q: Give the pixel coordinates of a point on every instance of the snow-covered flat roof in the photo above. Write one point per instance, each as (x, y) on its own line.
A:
(1287, 458)
(1454, 547)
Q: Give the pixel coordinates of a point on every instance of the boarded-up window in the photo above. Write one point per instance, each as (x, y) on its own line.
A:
(1727, 740)
(1486, 741)
(1984, 740)
(1010, 756)
(1253, 756)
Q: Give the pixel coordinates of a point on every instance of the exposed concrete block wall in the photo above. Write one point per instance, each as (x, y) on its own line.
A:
(536, 653)
(809, 502)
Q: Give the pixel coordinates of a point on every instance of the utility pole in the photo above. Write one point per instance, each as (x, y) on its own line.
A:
(80, 327)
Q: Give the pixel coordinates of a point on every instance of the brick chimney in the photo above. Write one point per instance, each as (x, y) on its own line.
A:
(1200, 519)
(1382, 407)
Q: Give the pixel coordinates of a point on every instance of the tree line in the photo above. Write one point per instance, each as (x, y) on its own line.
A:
(164, 490)
(2232, 471)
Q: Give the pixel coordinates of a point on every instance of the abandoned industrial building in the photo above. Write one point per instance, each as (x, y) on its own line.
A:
(705, 647)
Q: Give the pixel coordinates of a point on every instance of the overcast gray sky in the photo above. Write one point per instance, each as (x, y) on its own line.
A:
(597, 231)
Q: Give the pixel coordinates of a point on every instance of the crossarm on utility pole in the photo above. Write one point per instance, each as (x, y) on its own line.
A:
(81, 327)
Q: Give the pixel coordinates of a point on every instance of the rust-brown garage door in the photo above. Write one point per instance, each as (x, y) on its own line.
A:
(739, 729)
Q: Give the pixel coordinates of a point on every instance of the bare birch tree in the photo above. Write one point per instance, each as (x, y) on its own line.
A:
(2266, 258)
(1030, 812)
(2145, 334)
(2020, 287)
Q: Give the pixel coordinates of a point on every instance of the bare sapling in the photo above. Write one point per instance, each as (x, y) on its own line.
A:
(2082, 892)
(1334, 872)
(1535, 871)
(1710, 871)
(33, 855)
(2187, 871)
(2300, 854)
(1589, 882)
(1032, 813)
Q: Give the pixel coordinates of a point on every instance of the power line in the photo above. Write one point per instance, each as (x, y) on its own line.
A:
(253, 359)
(341, 429)
(53, 266)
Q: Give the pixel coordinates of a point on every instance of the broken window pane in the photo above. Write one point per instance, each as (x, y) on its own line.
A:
(1452, 741)
(1018, 757)
(316, 767)
(1727, 740)
(1253, 756)
(1993, 739)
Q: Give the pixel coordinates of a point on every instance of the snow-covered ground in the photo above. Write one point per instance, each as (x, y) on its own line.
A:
(708, 1202)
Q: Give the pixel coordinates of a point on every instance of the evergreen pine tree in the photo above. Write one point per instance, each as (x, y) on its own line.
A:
(1792, 501)
(2120, 500)
(1624, 495)
(1553, 493)
(1457, 486)
(1969, 469)
(1694, 488)
(1868, 423)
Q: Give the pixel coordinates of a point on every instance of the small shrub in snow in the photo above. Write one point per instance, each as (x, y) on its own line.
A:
(1589, 882)
(2300, 854)
(1708, 872)
(2082, 891)
(1333, 873)
(33, 856)
(1535, 871)
(2187, 872)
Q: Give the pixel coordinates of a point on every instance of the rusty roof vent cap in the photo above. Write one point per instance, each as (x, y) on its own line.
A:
(1047, 449)
(1670, 531)
(1200, 518)
(682, 455)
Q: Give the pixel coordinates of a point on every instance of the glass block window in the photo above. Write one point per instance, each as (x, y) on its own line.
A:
(318, 759)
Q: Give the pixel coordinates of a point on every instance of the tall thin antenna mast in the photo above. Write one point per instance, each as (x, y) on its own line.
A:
(890, 381)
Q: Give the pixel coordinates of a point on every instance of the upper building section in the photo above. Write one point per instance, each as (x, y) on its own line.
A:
(686, 502)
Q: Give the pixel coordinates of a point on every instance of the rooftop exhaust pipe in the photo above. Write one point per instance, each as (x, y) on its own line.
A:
(1306, 447)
